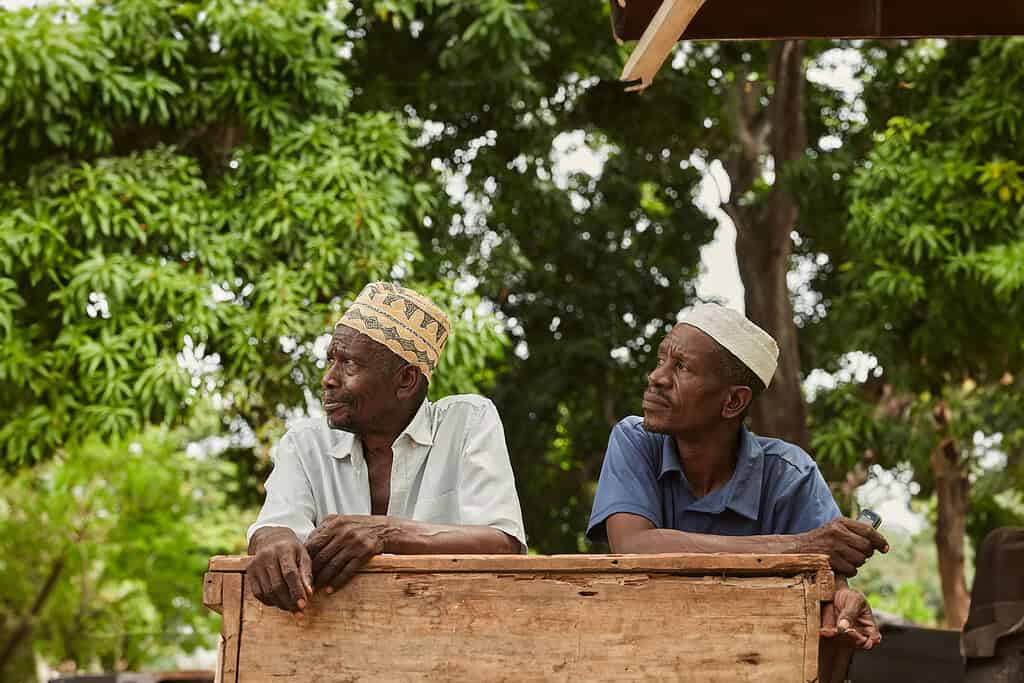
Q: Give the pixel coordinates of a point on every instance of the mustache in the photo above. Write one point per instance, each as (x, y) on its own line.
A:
(342, 397)
(657, 394)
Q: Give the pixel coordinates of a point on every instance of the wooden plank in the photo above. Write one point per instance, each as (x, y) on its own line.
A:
(812, 622)
(658, 41)
(692, 563)
(536, 627)
(779, 19)
(825, 581)
(213, 583)
(231, 626)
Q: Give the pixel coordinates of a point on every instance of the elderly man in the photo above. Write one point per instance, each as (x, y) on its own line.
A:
(689, 477)
(386, 470)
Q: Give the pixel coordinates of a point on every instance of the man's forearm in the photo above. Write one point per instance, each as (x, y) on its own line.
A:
(408, 537)
(672, 541)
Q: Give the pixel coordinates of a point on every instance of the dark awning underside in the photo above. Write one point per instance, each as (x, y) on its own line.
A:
(751, 19)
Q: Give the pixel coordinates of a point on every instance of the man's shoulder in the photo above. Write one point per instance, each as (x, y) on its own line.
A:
(463, 402)
(459, 407)
(311, 435)
(787, 454)
(306, 426)
(631, 430)
(633, 426)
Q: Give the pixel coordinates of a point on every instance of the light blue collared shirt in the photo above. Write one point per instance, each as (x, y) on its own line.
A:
(776, 488)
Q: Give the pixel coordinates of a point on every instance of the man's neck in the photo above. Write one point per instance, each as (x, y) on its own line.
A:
(708, 458)
(382, 440)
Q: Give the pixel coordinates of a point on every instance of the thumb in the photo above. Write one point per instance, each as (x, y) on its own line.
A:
(848, 614)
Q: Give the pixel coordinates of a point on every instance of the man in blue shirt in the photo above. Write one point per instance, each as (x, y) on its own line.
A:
(689, 477)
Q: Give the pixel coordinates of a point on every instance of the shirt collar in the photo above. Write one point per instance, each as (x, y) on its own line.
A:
(419, 430)
(742, 493)
(344, 442)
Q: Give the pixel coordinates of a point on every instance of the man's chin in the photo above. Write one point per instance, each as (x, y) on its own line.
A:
(342, 425)
(654, 425)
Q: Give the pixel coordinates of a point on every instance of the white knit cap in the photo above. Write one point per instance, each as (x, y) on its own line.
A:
(753, 346)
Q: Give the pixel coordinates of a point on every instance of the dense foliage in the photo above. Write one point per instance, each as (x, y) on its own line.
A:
(179, 175)
(104, 545)
(186, 201)
(927, 277)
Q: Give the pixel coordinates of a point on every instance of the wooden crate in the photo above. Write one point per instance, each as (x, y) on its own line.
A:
(534, 618)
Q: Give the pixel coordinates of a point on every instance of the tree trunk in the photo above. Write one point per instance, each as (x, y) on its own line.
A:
(764, 261)
(763, 244)
(952, 491)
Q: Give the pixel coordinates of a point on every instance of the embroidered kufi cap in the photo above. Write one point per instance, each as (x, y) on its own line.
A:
(406, 322)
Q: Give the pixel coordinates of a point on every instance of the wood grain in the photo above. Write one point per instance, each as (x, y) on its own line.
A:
(213, 583)
(812, 623)
(231, 626)
(683, 563)
(542, 626)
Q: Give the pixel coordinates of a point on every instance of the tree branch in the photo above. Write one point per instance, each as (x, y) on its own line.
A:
(25, 627)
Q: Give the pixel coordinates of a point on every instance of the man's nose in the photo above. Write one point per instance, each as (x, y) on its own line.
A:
(329, 380)
(656, 378)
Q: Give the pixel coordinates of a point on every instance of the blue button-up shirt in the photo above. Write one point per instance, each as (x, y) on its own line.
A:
(776, 488)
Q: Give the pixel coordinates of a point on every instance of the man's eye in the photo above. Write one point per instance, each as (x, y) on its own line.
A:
(680, 365)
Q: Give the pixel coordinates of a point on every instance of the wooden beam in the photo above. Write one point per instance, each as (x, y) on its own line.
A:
(675, 563)
(658, 41)
(781, 19)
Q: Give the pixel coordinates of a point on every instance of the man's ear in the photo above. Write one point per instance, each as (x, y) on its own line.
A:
(736, 402)
(407, 382)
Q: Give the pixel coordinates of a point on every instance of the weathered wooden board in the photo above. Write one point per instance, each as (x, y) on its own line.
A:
(232, 590)
(737, 564)
(495, 618)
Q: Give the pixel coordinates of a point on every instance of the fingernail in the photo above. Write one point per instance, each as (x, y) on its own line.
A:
(329, 590)
(302, 604)
(886, 548)
(843, 624)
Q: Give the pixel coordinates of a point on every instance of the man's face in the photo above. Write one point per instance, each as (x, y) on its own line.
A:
(684, 391)
(357, 386)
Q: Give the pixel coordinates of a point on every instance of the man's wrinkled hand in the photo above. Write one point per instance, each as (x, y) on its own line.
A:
(849, 619)
(847, 543)
(342, 544)
(281, 574)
